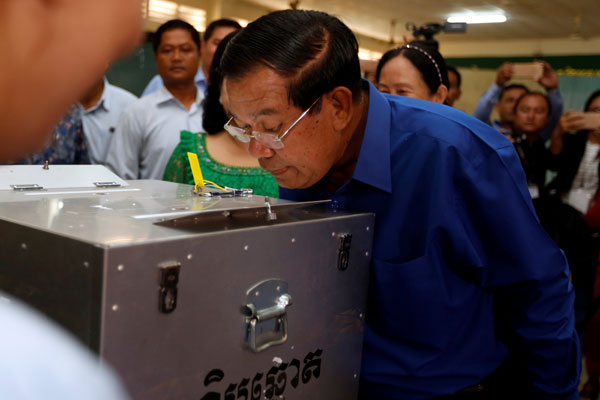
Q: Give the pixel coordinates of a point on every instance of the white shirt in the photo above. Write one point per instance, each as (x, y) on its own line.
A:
(156, 82)
(585, 182)
(148, 132)
(100, 121)
(40, 361)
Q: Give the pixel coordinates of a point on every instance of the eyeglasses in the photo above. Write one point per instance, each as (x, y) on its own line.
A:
(270, 140)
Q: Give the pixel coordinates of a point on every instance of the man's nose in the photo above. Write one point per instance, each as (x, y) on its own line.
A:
(258, 150)
(177, 54)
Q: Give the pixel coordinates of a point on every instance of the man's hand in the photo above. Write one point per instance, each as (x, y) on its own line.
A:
(549, 79)
(504, 74)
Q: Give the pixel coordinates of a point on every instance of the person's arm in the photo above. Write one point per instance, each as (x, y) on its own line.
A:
(549, 80)
(488, 100)
(123, 155)
(523, 269)
(486, 103)
(52, 63)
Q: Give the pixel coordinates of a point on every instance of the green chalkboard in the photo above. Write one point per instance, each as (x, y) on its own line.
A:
(133, 72)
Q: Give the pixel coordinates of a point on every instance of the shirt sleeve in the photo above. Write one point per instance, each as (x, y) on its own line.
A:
(556, 103)
(123, 155)
(486, 103)
(498, 234)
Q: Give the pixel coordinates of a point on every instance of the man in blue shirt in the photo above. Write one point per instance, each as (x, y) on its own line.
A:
(462, 275)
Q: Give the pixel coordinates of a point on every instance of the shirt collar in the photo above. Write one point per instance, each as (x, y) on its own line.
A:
(164, 96)
(104, 101)
(373, 164)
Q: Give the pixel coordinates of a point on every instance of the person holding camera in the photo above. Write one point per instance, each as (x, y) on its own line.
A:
(504, 97)
(531, 114)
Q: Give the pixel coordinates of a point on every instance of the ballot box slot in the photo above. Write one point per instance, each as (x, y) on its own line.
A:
(212, 221)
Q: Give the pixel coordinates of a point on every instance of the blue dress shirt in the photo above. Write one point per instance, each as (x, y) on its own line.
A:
(458, 253)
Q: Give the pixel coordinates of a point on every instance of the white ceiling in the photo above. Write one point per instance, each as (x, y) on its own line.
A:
(527, 19)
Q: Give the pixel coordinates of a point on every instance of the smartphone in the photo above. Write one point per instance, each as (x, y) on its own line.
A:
(533, 70)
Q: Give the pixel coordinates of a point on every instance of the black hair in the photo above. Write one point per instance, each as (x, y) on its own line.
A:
(174, 24)
(529, 94)
(453, 69)
(513, 86)
(313, 51)
(213, 114)
(220, 23)
(416, 52)
(590, 99)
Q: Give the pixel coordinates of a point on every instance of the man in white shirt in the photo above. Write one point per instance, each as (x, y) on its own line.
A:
(215, 32)
(148, 130)
(102, 106)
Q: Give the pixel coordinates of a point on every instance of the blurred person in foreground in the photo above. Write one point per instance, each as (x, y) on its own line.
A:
(462, 304)
(39, 80)
(50, 63)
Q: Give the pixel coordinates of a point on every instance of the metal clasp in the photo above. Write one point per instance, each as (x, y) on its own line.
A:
(169, 278)
(345, 239)
(106, 184)
(27, 187)
(266, 314)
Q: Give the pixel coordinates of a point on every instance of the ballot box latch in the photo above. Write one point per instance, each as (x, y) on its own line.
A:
(168, 280)
(265, 311)
(345, 239)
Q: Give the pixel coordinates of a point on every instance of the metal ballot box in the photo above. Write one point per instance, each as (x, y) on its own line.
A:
(190, 297)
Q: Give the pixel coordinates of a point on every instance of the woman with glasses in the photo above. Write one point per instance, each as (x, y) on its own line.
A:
(223, 156)
(413, 70)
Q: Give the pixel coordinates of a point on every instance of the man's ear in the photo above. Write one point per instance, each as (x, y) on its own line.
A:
(341, 102)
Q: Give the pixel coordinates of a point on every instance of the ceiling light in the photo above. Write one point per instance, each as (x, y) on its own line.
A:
(478, 18)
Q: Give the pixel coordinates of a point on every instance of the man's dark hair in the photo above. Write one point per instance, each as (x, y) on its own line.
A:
(453, 69)
(513, 86)
(174, 24)
(530, 94)
(418, 53)
(220, 23)
(314, 51)
(213, 114)
(590, 99)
